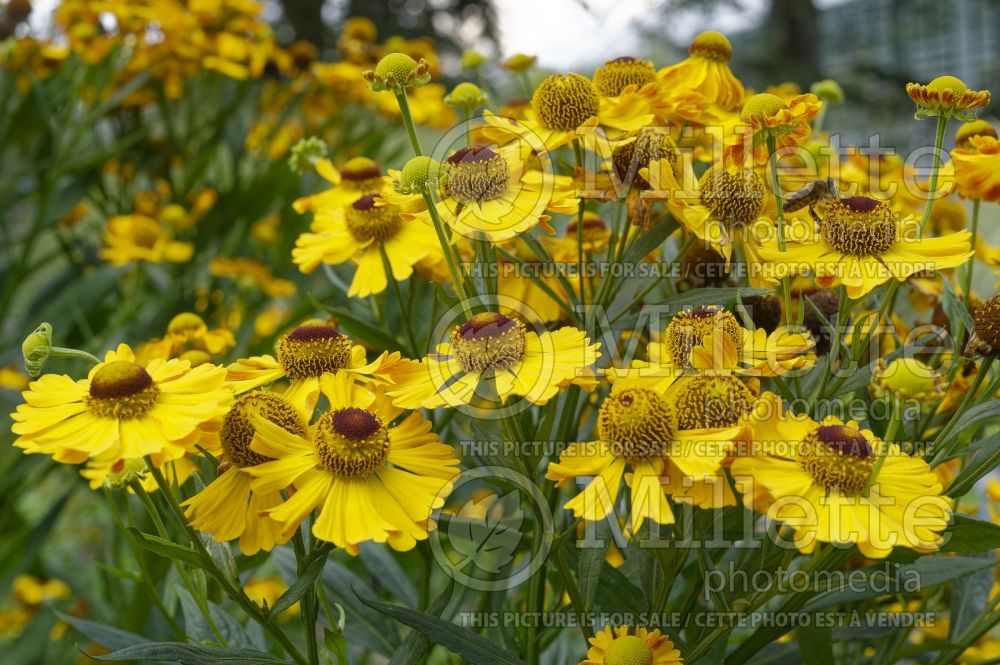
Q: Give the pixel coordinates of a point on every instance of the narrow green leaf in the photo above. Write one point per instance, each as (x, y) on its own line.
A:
(189, 654)
(416, 644)
(108, 637)
(303, 583)
(384, 568)
(166, 548)
(467, 644)
(984, 457)
(815, 644)
(967, 535)
(709, 296)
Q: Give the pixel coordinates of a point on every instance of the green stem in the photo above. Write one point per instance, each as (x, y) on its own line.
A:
(932, 192)
(891, 430)
(449, 258)
(309, 605)
(967, 277)
(578, 152)
(984, 370)
(60, 352)
(403, 309)
(411, 130)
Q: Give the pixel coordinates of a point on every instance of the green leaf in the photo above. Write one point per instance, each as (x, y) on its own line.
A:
(969, 599)
(303, 583)
(166, 548)
(189, 654)
(487, 542)
(591, 563)
(815, 644)
(384, 567)
(984, 458)
(222, 557)
(108, 637)
(361, 329)
(967, 535)
(709, 296)
(649, 241)
(416, 644)
(467, 644)
(988, 411)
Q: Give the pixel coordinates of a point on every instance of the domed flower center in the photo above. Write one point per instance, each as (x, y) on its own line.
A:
(361, 175)
(636, 424)
(488, 341)
(628, 650)
(368, 222)
(352, 442)
(733, 198)
(185, 322)
(565, 101)
(312, 349)
(619, 73)
(859, 226)
(121, 389)
(712, 45)
(711, 402)
(476, 174)
(238, 429)
(651, 144)
(987, 323)
(839, 458)
(145, 233)
(689, 328)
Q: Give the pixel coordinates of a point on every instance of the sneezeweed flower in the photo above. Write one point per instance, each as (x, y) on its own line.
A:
(520, 62)
(472, 59)
(396, 72)
(638, 429)
(766, 116)
(369, 232)
(832, 482)
(706, 71)
(492, 356)
(615, 646)
(132, 238)
(228, 508)
(907, 379)
(305, 354)
(467, 96)
(121, 411)
(828, 91)
(357, 177)
(188, 331)
(985, 338)
(370, 479)
(976, 162)
(863, 243)
(947, 96)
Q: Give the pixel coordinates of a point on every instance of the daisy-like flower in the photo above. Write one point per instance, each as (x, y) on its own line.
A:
(360, 232)
(121, 411)
(640, 428)
(948, 96)
(765, 115)
(188, 335)
(907, 379)
(985, 338)
(832, 482)
(133, 238)
(863, 243)
(976, 162)
(357, 177)
(496, 194)
(706, 71)
(493, 352)
(228, 508)
(304, 355)
(370, 479)
(615, 646)
(628, 91)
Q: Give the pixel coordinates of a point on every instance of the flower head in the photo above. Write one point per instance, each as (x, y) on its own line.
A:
(467, 96)
(985, 339)
(908, 379)
(616, 75)
(706, 72)
(398, 71)
(616, 646)
(948, 96)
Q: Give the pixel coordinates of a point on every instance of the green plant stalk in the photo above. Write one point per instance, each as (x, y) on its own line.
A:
(309, 605)
(967, 276)
(449, 258)
(237, 594)
(779, 205)
(403, 309)
(942, 123)
(578, 153)
(895, 421)
(967, 401)
(61, 352)
(411, 130)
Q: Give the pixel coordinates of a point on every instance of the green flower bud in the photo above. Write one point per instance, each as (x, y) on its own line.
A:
(36, 349)
(419, 175)
(829, 91)
(397, 71)
(306, 153)
(466, 96)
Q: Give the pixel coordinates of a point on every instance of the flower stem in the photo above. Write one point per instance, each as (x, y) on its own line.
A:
(411, 130)
(403, 309)
(967, 276)
(932, 191)
(61, 352)
(984, 370)
(448, 256)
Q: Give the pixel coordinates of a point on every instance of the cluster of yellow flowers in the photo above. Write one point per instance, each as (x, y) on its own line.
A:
(729, 405)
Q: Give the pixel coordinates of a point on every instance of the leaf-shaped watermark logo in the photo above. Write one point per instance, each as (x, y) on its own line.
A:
(486, 531)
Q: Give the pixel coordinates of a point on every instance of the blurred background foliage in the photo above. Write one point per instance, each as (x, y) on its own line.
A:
(143, 152)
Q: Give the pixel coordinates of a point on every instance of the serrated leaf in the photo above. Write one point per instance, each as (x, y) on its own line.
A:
(467, 644)
(190, 654)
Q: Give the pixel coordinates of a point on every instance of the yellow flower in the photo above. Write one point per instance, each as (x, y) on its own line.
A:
(492, 352)
(252, 274)
(907, 379)
(472, 59)
(640, 428)
(132, 238)
(13, 378)
(303, 356)
(977, 168)
(122, 410)
(765, 115)
(497, 195)
(706, 71)
(614, 646)
(266, 590)
(371, 480)
(357, 177)
(520, 62)
(32, 591)
(947, 96)
(228, 508)
(361, 232)
(862, 243)
(819, 478)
